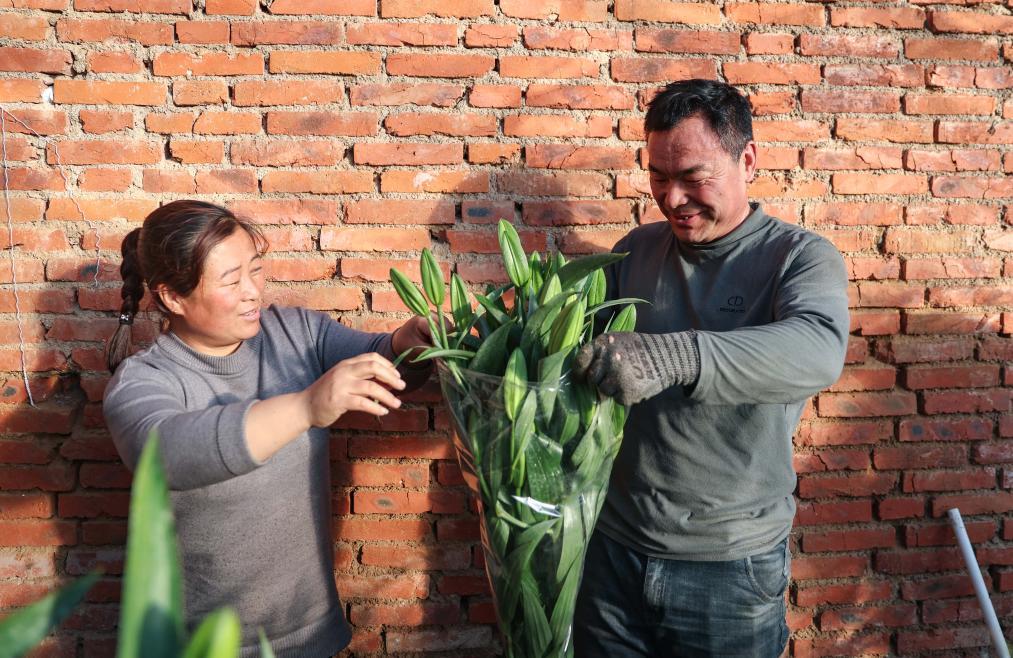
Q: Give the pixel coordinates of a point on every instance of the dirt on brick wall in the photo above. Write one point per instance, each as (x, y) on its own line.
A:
(357, 132)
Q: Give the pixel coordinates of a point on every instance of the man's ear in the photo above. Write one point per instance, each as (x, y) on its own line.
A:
(172, 300)
(748, 160)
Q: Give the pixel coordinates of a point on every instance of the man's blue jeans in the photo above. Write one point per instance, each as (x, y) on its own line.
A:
(633, 605)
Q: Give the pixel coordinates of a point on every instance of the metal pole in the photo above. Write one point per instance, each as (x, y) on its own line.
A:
(998, 641)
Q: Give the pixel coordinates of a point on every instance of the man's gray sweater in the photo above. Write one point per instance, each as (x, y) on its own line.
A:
(254, 536)
(705, 472)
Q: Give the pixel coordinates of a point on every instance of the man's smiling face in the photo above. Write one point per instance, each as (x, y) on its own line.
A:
(698, 186)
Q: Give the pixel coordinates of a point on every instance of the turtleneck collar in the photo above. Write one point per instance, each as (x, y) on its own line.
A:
(235, 364)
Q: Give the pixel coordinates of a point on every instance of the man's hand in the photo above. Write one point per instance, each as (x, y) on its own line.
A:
(633, 367)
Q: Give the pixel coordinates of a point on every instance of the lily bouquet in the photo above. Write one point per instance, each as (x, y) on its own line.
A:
(534, 446)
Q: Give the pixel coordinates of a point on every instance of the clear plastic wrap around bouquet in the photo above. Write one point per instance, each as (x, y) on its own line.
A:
(535, 446)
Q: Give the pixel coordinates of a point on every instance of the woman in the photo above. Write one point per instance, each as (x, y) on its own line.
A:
(241, 398)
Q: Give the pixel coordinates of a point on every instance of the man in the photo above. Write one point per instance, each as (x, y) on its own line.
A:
(748, 318)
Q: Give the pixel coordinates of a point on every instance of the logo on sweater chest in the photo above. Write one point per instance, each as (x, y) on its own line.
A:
(734, 304)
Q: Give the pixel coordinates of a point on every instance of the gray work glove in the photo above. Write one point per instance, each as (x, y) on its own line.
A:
(632, 367)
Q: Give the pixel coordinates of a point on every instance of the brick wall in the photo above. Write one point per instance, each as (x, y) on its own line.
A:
(359, 131)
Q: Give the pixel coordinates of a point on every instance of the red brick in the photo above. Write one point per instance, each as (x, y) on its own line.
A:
(37, 533)
(305, 33)
(790, 130)
(420, 8)
(494, 96)
(863, 157)
(941, 322)
(856, 511)
(299, 269)
(853, 214)
(457, 125)
(859, 183)
(551, 183)
(976, 133)
(660, 69)
(562, 10)
(225, 181)
(190, 151)
(538, 37)
(399, 212)
(772, 102)
(419, 614)
(318, 182)
(578, 97)
(864, 592)
(404, 34)
(396, 447)
(908, 241)
(325, 62)
(889, 509)
(286, 153)
(399, 586)
(948, 104)
(105, 121)
(352, 124)
(852, 539)
(92, 92)
(982, 50)
(768, 14)
(919, 456)
(75, 30)
(942, 213)
(891, 295)
(849, 644)
(766, 43)
(975, 188)
(20, 90)
(373, 239)
(971, 296)
(439, 66)
(846, 45)
(904, 18)
(441, 639)
(287, 211)
(555, 125)
(202, 32)
(816, 567)
(28, 28)
(462, 182)
(438, 95)
(325, 7)
(184, 64)
(287, 92)
(875, 75)
(976, 401)
(563, 156)
(851, 405)
(771, 73)
(493, 153)
(526, 66)
(970, 22)
(200, 92)
(851, 485)
(408, 154)
(876, 102)
(949, 481)
(889, 130)
(948, 76)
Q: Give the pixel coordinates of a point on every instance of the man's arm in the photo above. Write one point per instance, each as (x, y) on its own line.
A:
(800, 353)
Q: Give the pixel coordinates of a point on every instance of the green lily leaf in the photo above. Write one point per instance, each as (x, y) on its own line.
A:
(515, 261)
(21, 630)
(432, 278)
(576, 270)
(151, 609)
(409, 294)
(218, 636)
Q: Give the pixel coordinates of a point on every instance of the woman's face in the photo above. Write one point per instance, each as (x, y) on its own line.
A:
(224, 309)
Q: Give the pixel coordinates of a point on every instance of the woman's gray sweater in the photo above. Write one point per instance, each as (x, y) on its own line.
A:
(254, 536)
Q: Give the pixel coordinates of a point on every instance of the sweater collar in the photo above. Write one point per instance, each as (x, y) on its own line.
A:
(237, 363)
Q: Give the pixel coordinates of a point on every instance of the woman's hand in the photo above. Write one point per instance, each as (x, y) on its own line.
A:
(356, 384)
(414, 333)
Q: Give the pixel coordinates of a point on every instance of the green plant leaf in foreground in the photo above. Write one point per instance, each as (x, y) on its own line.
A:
(432, 278)
(218, 636)
(265, 647)
(576, 270)
(151, 609)
(409, 294)
(515, 261)
(22, 630)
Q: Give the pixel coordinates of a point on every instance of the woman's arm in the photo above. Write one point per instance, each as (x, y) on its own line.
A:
(355, 384)
(202, 447)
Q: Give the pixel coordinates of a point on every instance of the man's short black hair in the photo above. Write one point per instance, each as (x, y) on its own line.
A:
(721, 105)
